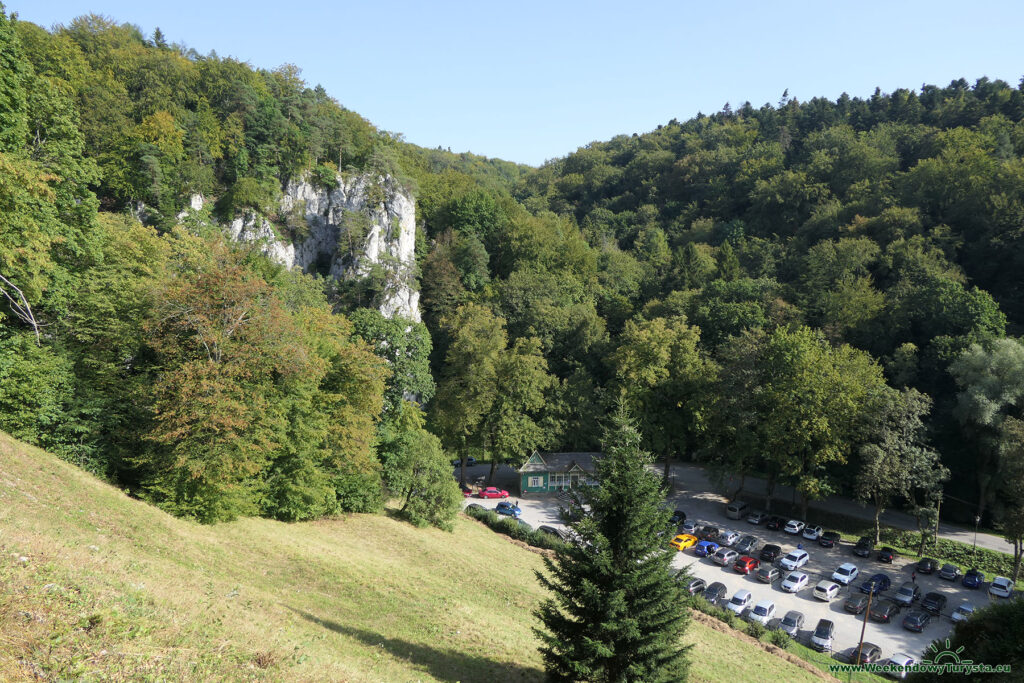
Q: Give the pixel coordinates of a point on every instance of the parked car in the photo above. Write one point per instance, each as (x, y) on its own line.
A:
(774, 523)
(886, 554)
(794, 526)
(826, 590)
(705, 548)
(867, 653)
(739, 602)
(493, 492)
(747, 545)
(973, 578)
(916, 621)
(470, 461)
(523, 524)
(768, 574)
(677, 518)
(466, 491)
(949, 572)
(757, 517)
(1001, 587)
(555, 531)
(794, 560)
(884, 611)
(812, 533)
(963, 612)
(695, 586)
(846, 573)
(933, 603)
(794, 581)
(508, 509)
(728, 537)
(899, 663)
(737, 510)
(876, 584)
(907, 594)
(708, 533)
(475, 506)
(770, 553)
(763, 612)
(715, 593)
(683, 541)
(856, 603)
(725, 556)
(745, 565)
(792, 623)
(821, 639)
(864, 546)
(829, 539)
(927, 565)
(691, 526)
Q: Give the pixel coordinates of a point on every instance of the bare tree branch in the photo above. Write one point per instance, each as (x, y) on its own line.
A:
(20, 305)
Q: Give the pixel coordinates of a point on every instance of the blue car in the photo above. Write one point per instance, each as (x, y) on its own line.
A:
(876, 584)
(705, 548)
(507, 508)
(973, 579)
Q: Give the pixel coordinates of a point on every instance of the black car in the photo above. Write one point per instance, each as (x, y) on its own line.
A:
(927, 565)
(695, 586)
(821, 639)
(886, 554)
(916, 621)
(879, 583)
(933, 603)
(884, 611)
(869, 654)
(475, 506)
(829, 539)
(864, 546)
(708, 533)
(715, 592)
(775, 523)
(949, 572)
(678, 517)
(557, 533)
(855, 604)
(770, 553)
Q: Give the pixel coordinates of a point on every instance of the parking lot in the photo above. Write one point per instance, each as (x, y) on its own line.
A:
(710, 508)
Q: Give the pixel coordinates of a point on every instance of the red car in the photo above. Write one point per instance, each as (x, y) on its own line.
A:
(466, 491)
(746, 564)
(493, 492)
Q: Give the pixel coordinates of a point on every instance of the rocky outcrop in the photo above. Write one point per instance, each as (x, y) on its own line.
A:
(362, 226)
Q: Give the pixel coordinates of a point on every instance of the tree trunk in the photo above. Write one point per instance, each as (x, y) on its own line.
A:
(462, 469)
(668, 470)
(737, 492)
(938, 511)
(769, 491)
(878, 524)
(1018, 552)
(494, 468)
(803, 505)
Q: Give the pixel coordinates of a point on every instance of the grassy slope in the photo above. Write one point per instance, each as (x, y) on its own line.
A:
(95, 584)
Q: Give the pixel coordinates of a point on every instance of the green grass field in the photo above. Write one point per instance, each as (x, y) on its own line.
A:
(96, 585)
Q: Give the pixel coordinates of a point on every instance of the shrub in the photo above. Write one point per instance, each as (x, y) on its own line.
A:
(512, 528)
(780, 639)
(756, 630)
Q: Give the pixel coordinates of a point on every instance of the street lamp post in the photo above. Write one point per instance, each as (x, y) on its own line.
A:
(977, 521)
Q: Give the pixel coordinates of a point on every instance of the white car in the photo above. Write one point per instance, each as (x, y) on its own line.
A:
(794, 526)
(725, 556)
(739, 602)
(901, 660)
(846, 573)
(728, 537)
(826, 590)
(812, 533)
(962, 612)
(795, 560)
(794, 581)
(1001, 587)
(763, 612)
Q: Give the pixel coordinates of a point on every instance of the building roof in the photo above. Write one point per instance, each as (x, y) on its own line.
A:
(560, 462)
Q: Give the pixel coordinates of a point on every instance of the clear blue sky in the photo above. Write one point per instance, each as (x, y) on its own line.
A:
(529, 81)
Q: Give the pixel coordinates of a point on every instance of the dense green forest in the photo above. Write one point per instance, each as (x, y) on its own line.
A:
(823, 293)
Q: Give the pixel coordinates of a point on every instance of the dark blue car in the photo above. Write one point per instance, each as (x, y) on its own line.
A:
(876, 584)
(705, 548)
(507, 508)
(973, 579)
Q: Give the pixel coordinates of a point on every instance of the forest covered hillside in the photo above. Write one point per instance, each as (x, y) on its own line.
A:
(825, 293)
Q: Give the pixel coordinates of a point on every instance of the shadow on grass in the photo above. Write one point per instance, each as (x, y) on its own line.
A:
(445, 665)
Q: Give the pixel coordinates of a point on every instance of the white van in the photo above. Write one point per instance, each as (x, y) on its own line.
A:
(737, 510)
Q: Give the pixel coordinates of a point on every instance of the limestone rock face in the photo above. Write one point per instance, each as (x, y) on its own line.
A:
(345, 232)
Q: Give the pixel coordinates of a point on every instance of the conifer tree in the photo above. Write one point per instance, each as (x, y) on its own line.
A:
(615, 612)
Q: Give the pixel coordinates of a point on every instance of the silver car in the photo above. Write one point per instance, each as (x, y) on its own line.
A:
(792, 623)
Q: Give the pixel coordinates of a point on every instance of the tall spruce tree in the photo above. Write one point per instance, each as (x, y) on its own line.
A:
(615, 611)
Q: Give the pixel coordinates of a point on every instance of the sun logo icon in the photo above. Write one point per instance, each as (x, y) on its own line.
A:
(947, 655)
